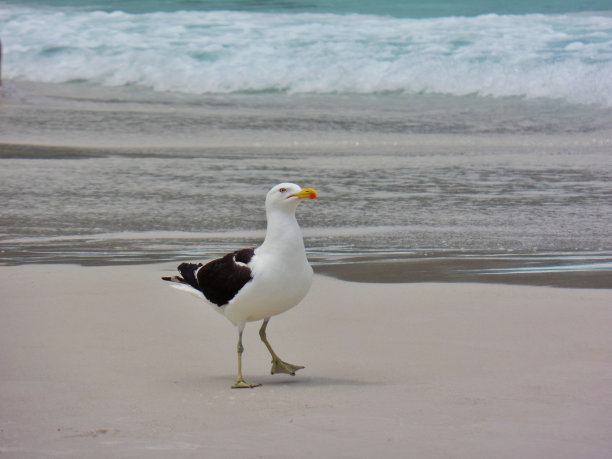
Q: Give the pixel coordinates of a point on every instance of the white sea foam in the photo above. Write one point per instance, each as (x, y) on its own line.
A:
(566, 57)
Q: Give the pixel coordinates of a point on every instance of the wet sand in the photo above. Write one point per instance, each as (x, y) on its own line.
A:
(111, 362)
(494, 270)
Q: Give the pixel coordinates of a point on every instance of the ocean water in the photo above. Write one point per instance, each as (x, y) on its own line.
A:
(151, 131)
(561, 52)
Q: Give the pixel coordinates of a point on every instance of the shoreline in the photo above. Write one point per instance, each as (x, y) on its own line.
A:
(584, 270)
(449, 271)
(107, 361)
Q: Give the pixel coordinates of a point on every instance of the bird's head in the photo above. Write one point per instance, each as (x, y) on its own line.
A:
(286, 196)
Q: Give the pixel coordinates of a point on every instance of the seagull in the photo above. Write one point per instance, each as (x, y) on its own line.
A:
(257, 283)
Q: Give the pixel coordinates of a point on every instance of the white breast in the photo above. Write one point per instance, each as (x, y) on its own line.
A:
(277, 285)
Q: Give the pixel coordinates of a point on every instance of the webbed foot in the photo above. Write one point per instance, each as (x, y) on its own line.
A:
(242, 384)
(278, 366)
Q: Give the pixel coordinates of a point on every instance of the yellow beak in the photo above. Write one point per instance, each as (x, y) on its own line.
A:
(304, 193)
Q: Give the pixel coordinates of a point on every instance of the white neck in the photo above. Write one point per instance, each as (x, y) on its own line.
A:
(283, 233)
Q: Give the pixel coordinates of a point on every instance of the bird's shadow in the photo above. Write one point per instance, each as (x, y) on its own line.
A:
(311, 381)
(282, 380)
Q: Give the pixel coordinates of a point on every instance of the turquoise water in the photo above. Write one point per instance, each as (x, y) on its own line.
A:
(413, 9)
(555, 50)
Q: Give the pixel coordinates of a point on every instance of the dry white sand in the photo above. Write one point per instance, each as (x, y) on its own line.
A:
(111, 362)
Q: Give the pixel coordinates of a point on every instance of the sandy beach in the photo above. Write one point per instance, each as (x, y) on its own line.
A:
(110, 362)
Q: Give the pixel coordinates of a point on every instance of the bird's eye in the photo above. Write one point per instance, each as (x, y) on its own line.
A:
(282, 190)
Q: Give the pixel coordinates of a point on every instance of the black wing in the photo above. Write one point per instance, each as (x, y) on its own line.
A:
(219, 280)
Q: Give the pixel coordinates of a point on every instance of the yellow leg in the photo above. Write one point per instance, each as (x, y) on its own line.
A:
(278, 366)
(240, 382)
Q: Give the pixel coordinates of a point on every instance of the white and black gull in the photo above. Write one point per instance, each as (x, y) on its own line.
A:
(257, 283)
